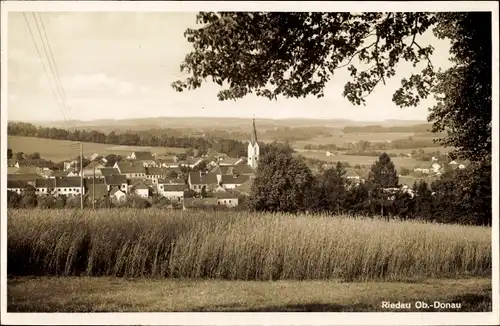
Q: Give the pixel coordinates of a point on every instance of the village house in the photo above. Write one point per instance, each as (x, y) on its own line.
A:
(16, 186)
(233, 169)
(116, 181)
(172, 181)
(328, 153)
(106, 172)
(28, 178)
(117, 196)
(172, 191)
(45, 186)
(142, 156)
(145, 158)
(142, 190)
(231, 181)
(67, 186)
(166, 163)
(214, 188)
(93, 169)
(199, 203)
(131, 169)
(191, 163)
(245, 188)
(197, 181)
(155, 173)
(226, 198)
(213, 153)
(231, 161)
(435, 167)
(71, 164)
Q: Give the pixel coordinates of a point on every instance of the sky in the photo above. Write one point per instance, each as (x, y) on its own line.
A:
(119, 65)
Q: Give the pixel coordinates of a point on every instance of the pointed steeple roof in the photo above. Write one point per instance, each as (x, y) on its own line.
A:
(253, 139)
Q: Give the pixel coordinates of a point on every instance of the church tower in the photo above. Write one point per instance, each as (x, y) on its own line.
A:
(253, 149)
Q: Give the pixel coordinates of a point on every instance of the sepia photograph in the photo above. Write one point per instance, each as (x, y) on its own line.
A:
(236, 158)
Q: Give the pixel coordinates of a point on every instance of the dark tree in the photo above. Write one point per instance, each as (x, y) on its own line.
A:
(111, 159)
(202, 166)
(333, 192)
(424, 202)
(464, 91)
(34, 156)
(294, 54)
(9, 153)
(13, 199)
(297, 53)
(203, 192)
(282, 183)
(19, 156)
(383, 175)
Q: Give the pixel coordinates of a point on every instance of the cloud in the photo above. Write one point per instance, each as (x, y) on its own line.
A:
(97, 85)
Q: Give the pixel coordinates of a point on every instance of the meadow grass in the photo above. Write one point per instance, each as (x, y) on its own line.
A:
(111, 294)
(399, 162)
(240, 246)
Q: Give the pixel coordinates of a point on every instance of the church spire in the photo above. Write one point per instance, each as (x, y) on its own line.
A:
(253, 139)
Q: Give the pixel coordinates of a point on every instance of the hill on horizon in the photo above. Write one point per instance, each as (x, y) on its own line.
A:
(214, 122)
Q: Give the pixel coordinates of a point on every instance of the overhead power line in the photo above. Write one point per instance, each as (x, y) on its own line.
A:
(51, 57)
(54, 93)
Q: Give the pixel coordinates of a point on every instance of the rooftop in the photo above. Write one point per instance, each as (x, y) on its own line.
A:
(174, 187)
(198, 179)
(143, 156)
(234, 179)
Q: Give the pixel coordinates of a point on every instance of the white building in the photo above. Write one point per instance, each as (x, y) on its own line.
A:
(435, 167)
(253, 149)
(226, 198)
(117, 195)
(142, 190)
(172, 191)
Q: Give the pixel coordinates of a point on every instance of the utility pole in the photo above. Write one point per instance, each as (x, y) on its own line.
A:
(93, 190)
(81, 175)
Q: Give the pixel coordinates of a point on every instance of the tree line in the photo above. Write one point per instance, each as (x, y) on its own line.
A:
(230, 147)
(364, 147)
(285, 184)
(418, 128)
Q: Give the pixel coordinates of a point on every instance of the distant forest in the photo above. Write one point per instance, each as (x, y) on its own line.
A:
(423, 128)
(150, 138)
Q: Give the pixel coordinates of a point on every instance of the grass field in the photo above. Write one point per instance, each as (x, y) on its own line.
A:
(60, 150)
(341, 138)
(105, 294)
(240, 246)
(155, 260)
(399, 162)
(425, 149)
